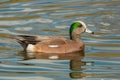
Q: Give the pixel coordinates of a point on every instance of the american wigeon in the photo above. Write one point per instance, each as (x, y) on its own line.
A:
(59, 45)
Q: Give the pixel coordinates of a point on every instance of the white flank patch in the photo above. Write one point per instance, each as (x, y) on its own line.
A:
(53, 46)
(30, 48)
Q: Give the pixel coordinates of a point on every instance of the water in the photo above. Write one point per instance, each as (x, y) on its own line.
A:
(53, 17)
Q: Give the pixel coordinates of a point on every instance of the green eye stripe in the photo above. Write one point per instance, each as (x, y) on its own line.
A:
(74, 26)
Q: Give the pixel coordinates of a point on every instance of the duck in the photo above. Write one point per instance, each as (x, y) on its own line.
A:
(57, 45)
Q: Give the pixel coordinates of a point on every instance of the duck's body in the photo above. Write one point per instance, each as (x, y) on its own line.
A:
(55, 44)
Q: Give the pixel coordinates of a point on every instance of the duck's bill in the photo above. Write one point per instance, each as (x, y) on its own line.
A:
(89, 31)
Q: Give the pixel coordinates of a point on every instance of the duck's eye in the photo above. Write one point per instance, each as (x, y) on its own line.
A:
(80, 26)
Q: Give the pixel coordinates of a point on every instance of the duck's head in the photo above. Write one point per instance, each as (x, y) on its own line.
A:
(77, 28)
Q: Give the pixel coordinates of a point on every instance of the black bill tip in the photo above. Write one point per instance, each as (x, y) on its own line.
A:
(92, 33)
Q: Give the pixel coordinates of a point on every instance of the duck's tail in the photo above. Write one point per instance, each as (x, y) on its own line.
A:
(23, 43)
(24, 40)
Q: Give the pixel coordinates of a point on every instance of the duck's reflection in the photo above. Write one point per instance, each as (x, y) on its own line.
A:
(67, 56)
(76, 67)
(75, 64)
